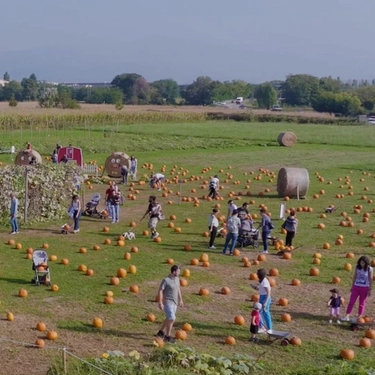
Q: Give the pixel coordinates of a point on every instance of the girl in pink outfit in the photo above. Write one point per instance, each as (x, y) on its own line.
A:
(361, 286)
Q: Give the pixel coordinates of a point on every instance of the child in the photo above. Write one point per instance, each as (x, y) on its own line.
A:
(255, 321)
(334, 303)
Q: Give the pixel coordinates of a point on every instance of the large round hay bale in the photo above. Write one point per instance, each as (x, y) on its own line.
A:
(24, 157)
(293, 182)
(114, 162)
(287, 139)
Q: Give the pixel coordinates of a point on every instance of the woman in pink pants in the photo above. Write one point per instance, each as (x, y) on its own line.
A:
(361, 286)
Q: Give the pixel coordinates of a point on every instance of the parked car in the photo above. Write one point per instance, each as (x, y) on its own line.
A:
(239, 100)
(276, 108)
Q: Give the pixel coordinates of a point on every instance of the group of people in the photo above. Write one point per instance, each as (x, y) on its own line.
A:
(133, 164)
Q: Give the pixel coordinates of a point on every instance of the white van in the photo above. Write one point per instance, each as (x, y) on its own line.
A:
(239, 100)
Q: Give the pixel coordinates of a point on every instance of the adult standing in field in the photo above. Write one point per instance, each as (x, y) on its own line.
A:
(213, 224)
(265, 299)
(243, 212)
(213, 186)
(124, 174)
(75, 212)
(114, 200)
(170, 298)
(265, 224)
(154, 212)
(231, 208)
(290, 225)
(233, 226)
(108, 194)
(13, 213)
(361, 287)
(133, 167)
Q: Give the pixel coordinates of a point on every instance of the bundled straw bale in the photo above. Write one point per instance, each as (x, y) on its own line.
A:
(24, 157)
(114, 162)
(287, 139)
(293, 182)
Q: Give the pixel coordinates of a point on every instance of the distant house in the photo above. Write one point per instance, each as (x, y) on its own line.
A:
(3, 83)
(82, 84)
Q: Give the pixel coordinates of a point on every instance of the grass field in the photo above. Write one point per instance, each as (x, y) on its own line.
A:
(338, 155)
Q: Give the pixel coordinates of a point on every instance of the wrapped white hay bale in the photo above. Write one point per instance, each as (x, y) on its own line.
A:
(287, 139)
(28, 157)
(114, 162)
(293, 182)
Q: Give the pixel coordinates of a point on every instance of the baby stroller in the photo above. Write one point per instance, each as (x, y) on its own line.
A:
(247, 236)
(41, 269)
(91, 207)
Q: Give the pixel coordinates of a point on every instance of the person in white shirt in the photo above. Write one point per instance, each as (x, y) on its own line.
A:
(361, 286)
(213, 186)
(133, 167)
(213, 224)
(231, 208)
(157, 179)
(264, 298)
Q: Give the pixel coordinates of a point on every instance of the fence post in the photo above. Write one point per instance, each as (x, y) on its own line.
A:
(64, 360)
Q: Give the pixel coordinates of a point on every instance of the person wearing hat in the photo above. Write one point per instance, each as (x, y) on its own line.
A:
(255, 321)
(334, 303)
(233, 225)
(213, 224)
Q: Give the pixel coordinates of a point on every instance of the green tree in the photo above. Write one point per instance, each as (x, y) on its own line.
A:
(266, 95)
(12, 89)
(330, 84)
(366, 95)
(6, 76)
(134, 87)
(300, 89)
(30, 89)
(231, 89)
(167, 89)
(33, 77)
(342, 103)
(201, 91)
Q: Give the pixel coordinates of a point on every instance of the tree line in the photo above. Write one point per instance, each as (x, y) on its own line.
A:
(325, 94)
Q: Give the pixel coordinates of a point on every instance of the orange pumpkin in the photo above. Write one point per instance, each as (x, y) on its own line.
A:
(41, 327)
(22, 293)
(187, 327)
(39, 343)
(194, 262)
(52, 335)
(89, 272)
(181, 334)
(225, 290)
(204, 292)
(230, 340)
(286, 317)
(132, 269)
(134, 289)
(347, 354)
(296, 341)
(365, 342)
(239, 320)
(283, 302)
(121, 273)
(370, 333)
(54, 288)
(114, 280)
(296, 282)
(314, 271)
(97, 323)
(274, 272)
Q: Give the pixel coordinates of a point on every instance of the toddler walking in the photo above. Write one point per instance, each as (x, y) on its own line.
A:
(334, 303)
(255, 321)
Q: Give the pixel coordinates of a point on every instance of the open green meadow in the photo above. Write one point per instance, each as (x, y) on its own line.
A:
(340, 163)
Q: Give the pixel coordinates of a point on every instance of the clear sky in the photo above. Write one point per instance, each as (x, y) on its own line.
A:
(93, 40)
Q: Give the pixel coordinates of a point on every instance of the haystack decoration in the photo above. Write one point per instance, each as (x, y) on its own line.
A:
(293, 182)
(287, 139)
(114, 162)
(24, 157)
